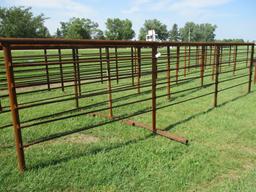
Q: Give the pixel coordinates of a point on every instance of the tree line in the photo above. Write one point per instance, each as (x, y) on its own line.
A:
(21, 22)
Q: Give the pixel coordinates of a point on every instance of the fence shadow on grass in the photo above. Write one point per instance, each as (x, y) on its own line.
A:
(96, 105)
(140, 112)
(172, 126)
(120, 145)
(91, 152)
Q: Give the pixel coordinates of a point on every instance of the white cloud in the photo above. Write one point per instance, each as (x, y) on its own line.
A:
(136, 6)
(62, 7)
(183, 7)
(198, 3)
(195, 7)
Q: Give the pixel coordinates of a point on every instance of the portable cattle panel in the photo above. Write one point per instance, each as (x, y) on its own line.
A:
(104, 71)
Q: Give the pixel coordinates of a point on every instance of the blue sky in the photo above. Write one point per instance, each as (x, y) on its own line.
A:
(234, 18)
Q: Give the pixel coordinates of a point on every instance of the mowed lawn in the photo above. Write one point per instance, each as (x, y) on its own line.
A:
(220, 156)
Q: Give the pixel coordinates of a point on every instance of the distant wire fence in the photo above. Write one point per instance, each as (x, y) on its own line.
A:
(100, 69)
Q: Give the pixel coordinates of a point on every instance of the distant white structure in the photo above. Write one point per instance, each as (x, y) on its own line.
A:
(151, 36)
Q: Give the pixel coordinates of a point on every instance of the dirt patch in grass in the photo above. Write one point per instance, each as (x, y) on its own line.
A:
(5, 154)
(79, 139)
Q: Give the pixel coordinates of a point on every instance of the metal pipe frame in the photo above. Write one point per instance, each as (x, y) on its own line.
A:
(82, 70)
(14, 107)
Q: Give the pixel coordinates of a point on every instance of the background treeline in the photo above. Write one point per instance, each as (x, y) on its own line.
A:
(21, 22)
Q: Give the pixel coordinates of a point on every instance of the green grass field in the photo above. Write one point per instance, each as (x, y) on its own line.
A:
(221, 154)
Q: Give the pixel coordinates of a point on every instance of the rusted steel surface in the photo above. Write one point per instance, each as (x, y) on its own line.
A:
(47, 69)
(217, 68)
(75, 77)
(61, 70)
(116, 58)
(2, 80)
(132, 64)
(33, 43)
(254, 63)
(84, 70)
(138, 68)
(168, 70)
(154, 77)
(235, 58)
(145, 126)
(101, 65)
(109, 84)
(177, 63)
(13, 106)
(250, 68)
(229, 55)
(189, 57)
(202, 65)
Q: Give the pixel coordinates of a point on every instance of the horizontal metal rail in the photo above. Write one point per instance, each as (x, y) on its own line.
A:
(103, 78)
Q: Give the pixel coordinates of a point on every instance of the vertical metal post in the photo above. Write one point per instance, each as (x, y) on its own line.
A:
(221, 59)
(254, 72)
(235, 56)
(177, 63)
(168, 71)
(109, 83)
(251, 68)
(154, 71)
(205, 57)
(214, 62)
(210, 61)
(47, 69)
(202, 65)
(116, 57)
(75, 77)
(135, 61)
(61, 70)
(1, 108)
(139, 69)
(247, 56)
(101, 66)
(185, 61)
(78, 72)
(197, 55)
(14, 107)
(132, 63)
(229, 55)
(217, 76)
(189, 58)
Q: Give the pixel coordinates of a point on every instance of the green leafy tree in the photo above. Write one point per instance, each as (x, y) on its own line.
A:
(77, 28)
(98, 35)
(174, 34)
(118, 29)
(160, 29)
(58, 33)
(198, 32)
(20, 22)
(207, 32)
(188, 32)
